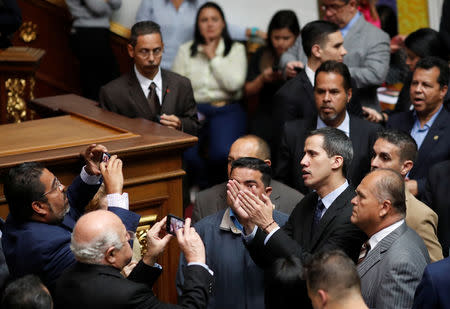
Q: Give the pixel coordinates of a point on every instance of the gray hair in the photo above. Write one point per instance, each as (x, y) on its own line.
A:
(391, 187)
(94, 251)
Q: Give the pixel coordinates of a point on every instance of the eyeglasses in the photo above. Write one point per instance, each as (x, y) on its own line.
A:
(333, 8)
(145, 53)
(56, 185)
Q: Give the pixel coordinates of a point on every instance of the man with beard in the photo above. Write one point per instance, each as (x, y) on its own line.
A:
(148, 91)
(36, 237)
(332, 92)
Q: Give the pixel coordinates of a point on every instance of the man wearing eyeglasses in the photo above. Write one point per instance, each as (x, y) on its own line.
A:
(36, 238)
(148, 91)
(367, 47)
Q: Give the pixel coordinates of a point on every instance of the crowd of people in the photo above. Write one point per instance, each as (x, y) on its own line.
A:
(307, 194)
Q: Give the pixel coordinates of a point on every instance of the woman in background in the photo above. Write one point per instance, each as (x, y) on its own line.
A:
(265, 77)
(217, 68)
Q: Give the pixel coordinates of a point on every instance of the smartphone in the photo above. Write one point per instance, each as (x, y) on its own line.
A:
(173, 223)
(298, 69)
(105, 157)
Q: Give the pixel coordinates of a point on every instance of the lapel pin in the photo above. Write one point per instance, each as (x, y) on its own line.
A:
(436, 137)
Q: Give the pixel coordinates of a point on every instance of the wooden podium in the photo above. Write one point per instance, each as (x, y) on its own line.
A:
(151, 154)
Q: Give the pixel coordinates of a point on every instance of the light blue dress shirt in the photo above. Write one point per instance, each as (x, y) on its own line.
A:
(350, 24)
(419, 133)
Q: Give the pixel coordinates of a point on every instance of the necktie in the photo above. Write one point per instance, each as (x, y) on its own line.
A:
(317, 215)
(153, 99)
(363, 252)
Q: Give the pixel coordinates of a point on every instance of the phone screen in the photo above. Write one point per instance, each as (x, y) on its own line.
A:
(173, 224)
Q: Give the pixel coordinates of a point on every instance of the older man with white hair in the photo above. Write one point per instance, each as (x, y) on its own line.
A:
(101, 245)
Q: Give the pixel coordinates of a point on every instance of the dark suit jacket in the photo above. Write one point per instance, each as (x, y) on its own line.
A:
(288, 168)
(392, 270)
(44, 249)
(435, 147)
(437, 195)
(124, 96)
(212, 200)
(101, 286)
(335, 231)
(296, 99)
(432, 291)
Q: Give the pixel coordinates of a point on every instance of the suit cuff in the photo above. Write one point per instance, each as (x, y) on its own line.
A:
(118, 200)
(202, 265)
(270, 235)
(248, 238)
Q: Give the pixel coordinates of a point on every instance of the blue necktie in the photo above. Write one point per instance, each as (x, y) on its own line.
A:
(317, 215)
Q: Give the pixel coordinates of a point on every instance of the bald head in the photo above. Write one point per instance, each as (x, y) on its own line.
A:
(96, 235)
(249, 146)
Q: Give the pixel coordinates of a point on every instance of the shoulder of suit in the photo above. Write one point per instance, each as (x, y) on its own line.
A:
(174, 76)
(117, 84)
(418, 209)
(294, 127)
(281, 189)
(370, 30)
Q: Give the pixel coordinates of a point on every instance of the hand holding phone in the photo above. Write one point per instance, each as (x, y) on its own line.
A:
(173, 224)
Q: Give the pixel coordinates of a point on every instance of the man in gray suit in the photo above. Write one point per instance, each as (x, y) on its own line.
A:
(367, 46)
(147, 91)
(212, 200)
(392, 261)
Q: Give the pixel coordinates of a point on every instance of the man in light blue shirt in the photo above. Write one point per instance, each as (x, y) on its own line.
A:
(429, 122)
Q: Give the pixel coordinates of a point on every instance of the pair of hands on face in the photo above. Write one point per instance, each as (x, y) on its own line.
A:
(250, 209)
(188, 239)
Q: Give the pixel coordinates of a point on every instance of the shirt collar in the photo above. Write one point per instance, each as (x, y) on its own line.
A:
(378, 236)
(228, 224)
(328, 199)
(429, 123)
(347, 27)
(310, 74)
(146, 82)
(344, 126)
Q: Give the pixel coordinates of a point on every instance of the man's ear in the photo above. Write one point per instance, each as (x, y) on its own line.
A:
(268, 162)
(406, 167)
(268, 191)
(40, 208)
(338, 161)
(110, 255)
(130, 49)
(385, 208)
(323, 297)
(316, 51)
(349, 94)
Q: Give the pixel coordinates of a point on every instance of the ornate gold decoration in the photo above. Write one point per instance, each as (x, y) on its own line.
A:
(141, 232)
(16, 106)
(28, 32)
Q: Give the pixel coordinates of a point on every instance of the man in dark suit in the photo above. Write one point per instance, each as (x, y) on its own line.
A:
(437, 195)
(101, 245)
(321, 41)
(42, 215)
(367, 46)
(148, 91)
(212, 200)
(392, 261)
(432, 291)
(332, 92)
(320, 222)
(429, 122)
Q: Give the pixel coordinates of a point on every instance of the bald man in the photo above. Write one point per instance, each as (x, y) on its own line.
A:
(101, 245)
(212, 200)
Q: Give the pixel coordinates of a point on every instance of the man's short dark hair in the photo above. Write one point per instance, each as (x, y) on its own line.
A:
(332, 66)
(26, 293)
(316, 32)
(336, 143)
(391, 187)
(256, 165)
(428, 63)
(404, 141)
(143, 28)
(284, 279)
(22, 187)
(332, 271)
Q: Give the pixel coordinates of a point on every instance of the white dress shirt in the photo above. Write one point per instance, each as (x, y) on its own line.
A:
(145, 83)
